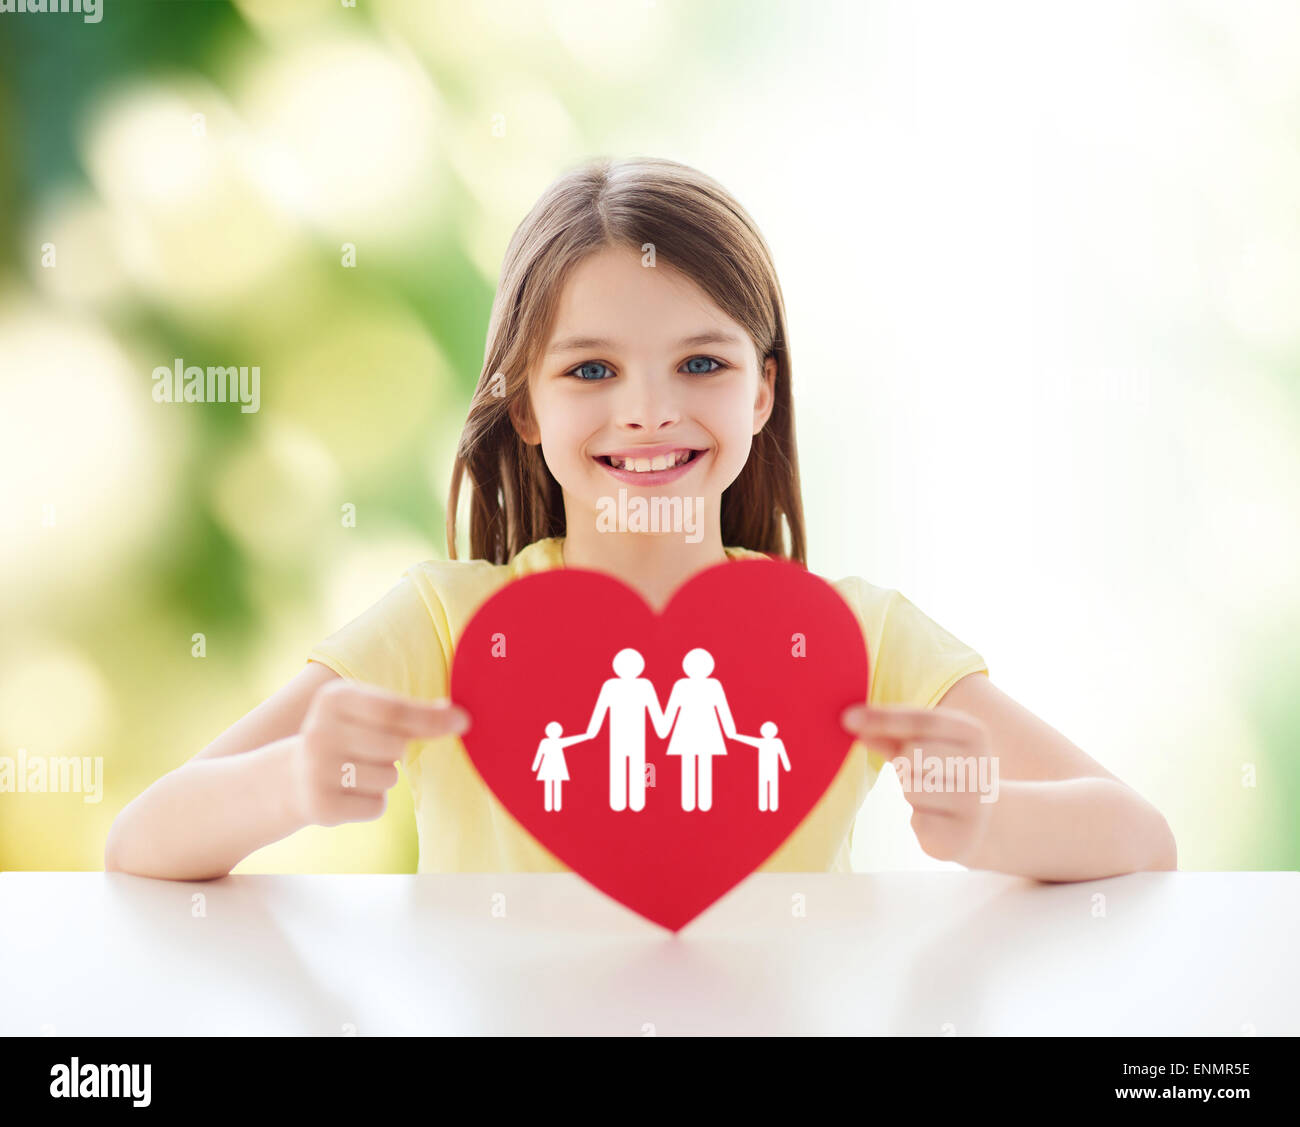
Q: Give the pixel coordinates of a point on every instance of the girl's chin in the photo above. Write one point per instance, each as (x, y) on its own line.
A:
(634, 508)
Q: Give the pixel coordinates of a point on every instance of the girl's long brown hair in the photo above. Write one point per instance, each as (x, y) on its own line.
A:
(695, 226)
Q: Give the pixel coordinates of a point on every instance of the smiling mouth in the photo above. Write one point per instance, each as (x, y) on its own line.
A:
(650, 465)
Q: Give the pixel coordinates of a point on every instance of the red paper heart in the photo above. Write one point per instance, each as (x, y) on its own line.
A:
(541, 649)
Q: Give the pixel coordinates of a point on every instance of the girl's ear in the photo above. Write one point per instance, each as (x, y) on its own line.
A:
(766, 394)
(522, 419)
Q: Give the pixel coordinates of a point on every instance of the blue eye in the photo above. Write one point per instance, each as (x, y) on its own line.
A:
(698, 372)
(576, 373)
(587, 379)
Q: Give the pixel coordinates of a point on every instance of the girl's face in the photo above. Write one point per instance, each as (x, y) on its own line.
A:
(642, 365)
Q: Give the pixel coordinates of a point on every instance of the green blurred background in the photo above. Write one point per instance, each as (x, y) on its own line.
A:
(1042, 270)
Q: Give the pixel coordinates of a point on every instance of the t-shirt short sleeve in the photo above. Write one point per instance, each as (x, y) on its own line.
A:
(913, 660)
(393, 644)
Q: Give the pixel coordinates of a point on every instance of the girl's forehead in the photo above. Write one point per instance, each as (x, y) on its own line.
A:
(610, 280)
(627, 325)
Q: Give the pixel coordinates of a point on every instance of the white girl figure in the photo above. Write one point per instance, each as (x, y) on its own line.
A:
(770, 752)
(550, 756)
(696, 703)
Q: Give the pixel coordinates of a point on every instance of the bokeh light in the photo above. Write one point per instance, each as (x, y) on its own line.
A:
(53, 700)
(273, 495)
(84, 477)
(195, 229)
(354, 130)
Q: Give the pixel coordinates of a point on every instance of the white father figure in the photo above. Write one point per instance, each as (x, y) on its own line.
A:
(627, 697)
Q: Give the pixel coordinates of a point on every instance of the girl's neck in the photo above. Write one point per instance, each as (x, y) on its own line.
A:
(654, 564)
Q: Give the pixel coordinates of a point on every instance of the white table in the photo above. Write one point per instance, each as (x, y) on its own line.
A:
(964, 953)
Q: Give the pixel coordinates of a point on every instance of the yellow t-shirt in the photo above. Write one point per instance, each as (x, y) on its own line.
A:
(405, 643)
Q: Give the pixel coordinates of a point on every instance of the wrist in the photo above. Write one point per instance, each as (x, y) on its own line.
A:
(281, 791)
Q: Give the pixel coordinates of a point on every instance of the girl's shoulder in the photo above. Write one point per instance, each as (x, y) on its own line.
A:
(913, 659)
(454, 589)
(405, 641)
(869, 602)
(887, 615)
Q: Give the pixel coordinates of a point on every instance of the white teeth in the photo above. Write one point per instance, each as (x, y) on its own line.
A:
(650, 465)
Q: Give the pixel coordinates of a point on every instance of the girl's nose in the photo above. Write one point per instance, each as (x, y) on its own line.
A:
(647, 406)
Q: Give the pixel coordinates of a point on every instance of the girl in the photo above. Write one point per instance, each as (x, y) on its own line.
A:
(637, 342)
(550, 765)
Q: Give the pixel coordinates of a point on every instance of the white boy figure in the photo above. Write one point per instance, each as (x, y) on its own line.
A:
(550, 756)
(770, 751)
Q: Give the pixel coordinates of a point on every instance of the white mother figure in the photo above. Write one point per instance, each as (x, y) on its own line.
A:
(699, 708)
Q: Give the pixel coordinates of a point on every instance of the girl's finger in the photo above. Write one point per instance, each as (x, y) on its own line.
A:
(368, 778)
(374, 745)
(942, 774)
(917, 724)
(944, 747)
(940, 803)
(378, 708)
(955, 755)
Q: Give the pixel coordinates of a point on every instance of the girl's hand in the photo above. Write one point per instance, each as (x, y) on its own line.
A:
(346, 751)
(949, 823)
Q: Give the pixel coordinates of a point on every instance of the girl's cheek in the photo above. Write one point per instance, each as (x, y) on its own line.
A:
(573, 424)
(562, 442)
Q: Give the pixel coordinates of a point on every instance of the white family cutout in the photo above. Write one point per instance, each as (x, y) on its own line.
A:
(698, 705)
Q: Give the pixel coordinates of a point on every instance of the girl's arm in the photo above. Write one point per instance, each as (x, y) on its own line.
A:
(1091, 822)
(1049, 811)
(200, 820)
(320, 751)
(568, 740)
